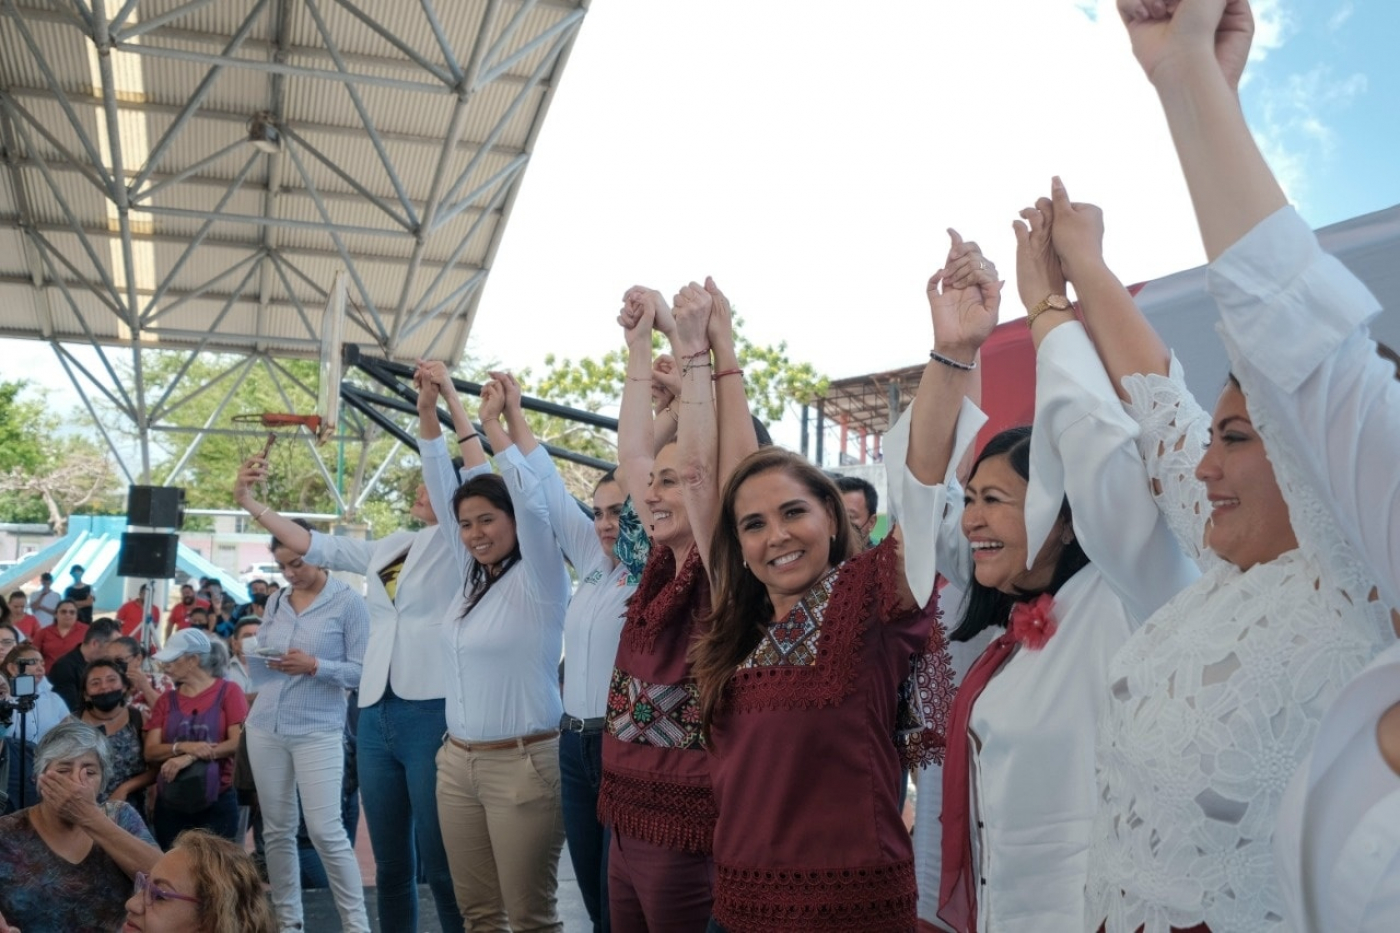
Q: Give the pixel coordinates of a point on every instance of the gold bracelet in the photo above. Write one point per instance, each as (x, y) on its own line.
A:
(258, 517)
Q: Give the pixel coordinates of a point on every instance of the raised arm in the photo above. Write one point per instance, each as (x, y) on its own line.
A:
(665, 399)
(932, 436)
(737, 438)
(1193, 52)
(1084, 446)
(468, 440)
(252, 473)
(1126, 342)
(636, 448)
(964, 298)
(697, 438)
(439, 476)
(1295, 319)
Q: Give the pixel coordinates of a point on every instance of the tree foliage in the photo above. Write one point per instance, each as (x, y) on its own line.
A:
(47, 473)
(772, 380)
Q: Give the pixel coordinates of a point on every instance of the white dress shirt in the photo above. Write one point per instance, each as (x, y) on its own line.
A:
(405, 632)
(503, 656)
(593, 623)
(1295, 325)
(1032, 780)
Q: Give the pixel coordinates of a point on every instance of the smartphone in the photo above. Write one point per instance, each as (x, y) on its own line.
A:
(23, 686)
(268, 653)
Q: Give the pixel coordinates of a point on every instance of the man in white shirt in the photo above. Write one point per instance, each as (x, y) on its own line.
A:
(44, 601)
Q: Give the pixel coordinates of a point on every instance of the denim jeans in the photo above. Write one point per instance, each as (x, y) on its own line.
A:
(398, 743)
(580, 773)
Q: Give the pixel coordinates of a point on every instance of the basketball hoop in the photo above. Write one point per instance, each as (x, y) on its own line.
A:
(277, 422)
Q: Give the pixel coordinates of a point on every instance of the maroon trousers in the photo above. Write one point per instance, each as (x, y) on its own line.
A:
(654, 889)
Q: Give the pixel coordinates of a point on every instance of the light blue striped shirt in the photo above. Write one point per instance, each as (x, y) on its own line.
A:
(334, 630)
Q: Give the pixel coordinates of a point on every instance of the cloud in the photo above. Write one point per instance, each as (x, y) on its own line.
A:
(1273, 25)
(1293, 132)
(1338, 19)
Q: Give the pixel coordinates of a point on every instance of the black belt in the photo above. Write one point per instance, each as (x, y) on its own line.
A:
(568, 723)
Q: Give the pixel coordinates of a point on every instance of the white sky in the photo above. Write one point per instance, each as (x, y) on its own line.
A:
(809, 156)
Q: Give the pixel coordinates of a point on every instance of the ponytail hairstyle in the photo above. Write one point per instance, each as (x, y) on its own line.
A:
(492, 488)
(985, 606)
(742, 610)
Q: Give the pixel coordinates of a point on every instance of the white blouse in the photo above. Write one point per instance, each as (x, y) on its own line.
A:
(593, 623)
(1295, 325)
(1212, 704)
(1032, 764)
(503, 656)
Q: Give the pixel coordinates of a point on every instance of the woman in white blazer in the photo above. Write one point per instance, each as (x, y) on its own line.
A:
(410, 577)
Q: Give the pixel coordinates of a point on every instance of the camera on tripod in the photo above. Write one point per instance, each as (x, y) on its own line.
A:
(23, 694)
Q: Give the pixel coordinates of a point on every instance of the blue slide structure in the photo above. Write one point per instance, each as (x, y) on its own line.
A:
(93, 542)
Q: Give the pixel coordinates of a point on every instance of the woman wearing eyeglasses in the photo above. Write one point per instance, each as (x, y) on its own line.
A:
(67, 863)
(204, 884)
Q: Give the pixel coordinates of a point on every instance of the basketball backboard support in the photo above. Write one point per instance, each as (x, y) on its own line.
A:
(332, 333)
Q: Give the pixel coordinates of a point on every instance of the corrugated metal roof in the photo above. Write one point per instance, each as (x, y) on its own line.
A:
(285, 67)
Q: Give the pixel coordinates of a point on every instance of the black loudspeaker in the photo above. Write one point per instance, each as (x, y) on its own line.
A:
(150, 556)
(155, 506)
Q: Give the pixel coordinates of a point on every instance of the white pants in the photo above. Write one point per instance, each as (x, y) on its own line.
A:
(314, 767)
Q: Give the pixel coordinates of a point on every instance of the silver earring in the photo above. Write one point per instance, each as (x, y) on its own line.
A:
(746, 565)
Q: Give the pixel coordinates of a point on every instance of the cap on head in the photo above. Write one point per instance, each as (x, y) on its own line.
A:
(186, 641)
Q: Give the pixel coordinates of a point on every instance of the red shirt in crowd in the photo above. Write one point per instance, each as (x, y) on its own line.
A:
(179, 616)
(235, 712)
(131, 614)
(54, 645)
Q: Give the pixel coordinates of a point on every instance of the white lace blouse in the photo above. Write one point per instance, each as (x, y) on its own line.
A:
(1215, 701)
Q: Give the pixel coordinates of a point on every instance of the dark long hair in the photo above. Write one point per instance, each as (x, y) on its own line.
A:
(983, 605)
(741, 607)
(479, 580)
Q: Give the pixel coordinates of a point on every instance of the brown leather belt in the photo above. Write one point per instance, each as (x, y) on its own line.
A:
(500, 744)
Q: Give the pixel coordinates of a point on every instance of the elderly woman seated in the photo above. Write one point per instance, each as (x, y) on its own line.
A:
(204, 884)
(66, 863)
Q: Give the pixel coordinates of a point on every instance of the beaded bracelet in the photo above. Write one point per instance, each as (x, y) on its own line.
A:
(939, 357)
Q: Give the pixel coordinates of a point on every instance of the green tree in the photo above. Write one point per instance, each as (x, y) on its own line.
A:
(47, 473)
(773, 380)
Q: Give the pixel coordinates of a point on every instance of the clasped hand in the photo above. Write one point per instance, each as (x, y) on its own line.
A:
(964, 298)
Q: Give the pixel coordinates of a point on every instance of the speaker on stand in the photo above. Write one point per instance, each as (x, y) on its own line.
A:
(150, 545)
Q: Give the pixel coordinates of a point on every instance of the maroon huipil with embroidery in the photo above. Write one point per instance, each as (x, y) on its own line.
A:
(656, 773)
(806, 753)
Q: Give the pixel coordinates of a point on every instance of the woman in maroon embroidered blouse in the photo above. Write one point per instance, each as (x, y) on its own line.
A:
(655, 793)
(801, 678)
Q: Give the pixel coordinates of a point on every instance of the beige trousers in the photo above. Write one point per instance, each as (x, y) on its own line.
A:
(503, 827)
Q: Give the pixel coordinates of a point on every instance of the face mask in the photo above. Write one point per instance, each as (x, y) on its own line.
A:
(106, 702)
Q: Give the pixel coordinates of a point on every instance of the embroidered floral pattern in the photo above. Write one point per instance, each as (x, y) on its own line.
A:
(872, 899)
(664, 715)
(926, 702)
(1214, 702)
(793, 641)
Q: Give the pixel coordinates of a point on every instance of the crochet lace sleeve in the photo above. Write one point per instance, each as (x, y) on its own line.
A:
(1174, 431)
